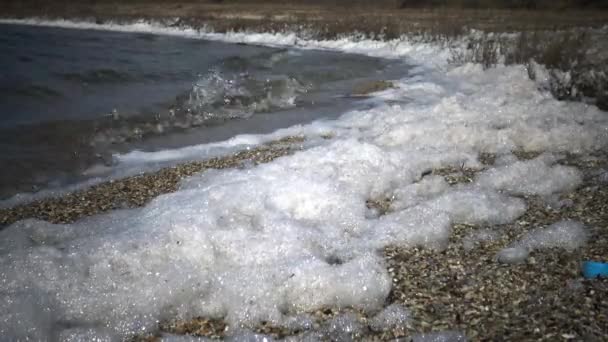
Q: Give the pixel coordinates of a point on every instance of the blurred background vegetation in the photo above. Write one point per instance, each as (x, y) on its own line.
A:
(385, 4)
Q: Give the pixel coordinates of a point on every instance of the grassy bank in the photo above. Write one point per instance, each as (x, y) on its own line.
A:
(338, 15)
(378, 4)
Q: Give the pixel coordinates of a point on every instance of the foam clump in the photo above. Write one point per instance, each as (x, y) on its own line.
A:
(87, 334)
(245, 245)
(247, 336)
(474, 206)
(343, 327)
(315, 286)
(565, 234)
(24, 314)
(393, 316)
(531, 177)
(419, 192)
(418, 226)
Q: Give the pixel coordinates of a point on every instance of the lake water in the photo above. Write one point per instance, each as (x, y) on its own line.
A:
(69, 99)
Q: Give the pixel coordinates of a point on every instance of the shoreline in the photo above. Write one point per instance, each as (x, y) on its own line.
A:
(567, 46)
(136, 191)
(449, 290)
(358, 16)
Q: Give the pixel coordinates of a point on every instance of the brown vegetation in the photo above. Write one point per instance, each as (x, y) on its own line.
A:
(377, 4)
(574, 71)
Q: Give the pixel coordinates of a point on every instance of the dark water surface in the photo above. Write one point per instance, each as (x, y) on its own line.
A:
(71, 98)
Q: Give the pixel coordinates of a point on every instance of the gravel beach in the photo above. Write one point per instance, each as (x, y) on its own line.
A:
(462, 289)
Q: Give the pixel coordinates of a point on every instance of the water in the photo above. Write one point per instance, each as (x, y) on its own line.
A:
(71, 98)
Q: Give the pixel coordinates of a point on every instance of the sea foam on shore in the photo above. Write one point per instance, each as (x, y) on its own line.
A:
(267, 242)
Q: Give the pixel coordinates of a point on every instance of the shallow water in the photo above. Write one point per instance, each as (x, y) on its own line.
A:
(71, 98)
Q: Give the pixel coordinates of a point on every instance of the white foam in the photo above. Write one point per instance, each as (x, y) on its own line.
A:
(269, 242)
(565, 234)
(138, 162)
(391, 48)
(86, 334)
(247, 336)
(394, 316)
(533, 177)
(343, 327)
(413, 194)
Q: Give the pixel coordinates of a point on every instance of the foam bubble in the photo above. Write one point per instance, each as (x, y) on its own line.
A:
(86, 334)
(392, 317)
(532, 177)
(565, 234)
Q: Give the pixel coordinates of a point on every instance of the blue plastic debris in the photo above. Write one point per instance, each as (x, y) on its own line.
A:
(595, 269)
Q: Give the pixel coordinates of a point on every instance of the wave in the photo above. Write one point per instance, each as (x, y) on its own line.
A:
(30, 91)
(98, 76)
(241, 94)
(213, 99)
(404, 47)
(217, 97)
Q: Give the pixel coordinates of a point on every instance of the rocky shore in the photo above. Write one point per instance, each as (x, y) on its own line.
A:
(465, 293)
(462, 289)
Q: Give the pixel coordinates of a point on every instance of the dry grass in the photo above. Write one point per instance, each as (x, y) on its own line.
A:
(377, 4)
(574, 71)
